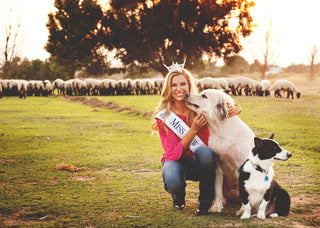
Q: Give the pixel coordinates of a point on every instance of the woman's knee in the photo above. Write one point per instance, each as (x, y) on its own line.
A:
(173, 178)
(173, 185)
(205, 156)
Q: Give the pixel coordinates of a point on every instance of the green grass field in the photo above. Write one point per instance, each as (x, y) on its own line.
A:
(120, 184)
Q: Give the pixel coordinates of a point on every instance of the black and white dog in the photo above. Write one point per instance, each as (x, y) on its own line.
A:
(259, 192)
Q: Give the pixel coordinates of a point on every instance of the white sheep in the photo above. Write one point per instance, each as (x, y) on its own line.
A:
(265, 85)
(147, 86)
(12, 87)
(120, 87)
(231, 85)
(108, 86)
(46, 88)
(128, 87)
(35, 87)
(57, 84)
(137, 86)
(1, 90)
(284, 85)
(224, 84)
(158, 85)
(256, 90)
(209, 83)
(244, 83)
(80, 87)
(105, 85)
(67, 87)
(94, 85)
(112, 86)
(22, 88)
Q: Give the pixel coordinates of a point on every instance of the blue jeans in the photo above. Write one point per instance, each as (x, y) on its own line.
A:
(202, 168)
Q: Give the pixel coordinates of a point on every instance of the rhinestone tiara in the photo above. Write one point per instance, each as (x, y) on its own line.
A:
(175, 66)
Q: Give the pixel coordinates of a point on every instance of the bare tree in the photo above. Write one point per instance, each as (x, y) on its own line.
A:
(10, 41)
(313, 57)
(269, 41)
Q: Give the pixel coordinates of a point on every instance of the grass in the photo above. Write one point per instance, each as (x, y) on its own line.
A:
(123, 186)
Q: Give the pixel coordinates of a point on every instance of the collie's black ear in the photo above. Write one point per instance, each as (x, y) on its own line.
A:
(271, 137)
(258, 142)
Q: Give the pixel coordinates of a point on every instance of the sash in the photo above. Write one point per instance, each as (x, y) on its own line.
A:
(180, 128)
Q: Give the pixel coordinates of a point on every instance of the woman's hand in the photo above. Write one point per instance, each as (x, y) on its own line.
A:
(199, 121)
(233, 110)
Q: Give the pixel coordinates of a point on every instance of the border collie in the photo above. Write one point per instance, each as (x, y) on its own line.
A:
(259, 192)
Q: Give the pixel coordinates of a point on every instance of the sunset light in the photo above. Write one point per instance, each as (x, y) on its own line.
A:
(293, 24)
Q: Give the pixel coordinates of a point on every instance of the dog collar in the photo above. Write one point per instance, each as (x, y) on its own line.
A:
(258, 168)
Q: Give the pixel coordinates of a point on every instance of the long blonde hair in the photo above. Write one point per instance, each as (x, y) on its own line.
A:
(166, 97)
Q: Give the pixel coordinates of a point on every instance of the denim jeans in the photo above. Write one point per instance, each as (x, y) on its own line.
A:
(202, 168)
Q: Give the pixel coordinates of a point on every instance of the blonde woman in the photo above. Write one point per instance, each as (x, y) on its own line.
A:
(179, 163)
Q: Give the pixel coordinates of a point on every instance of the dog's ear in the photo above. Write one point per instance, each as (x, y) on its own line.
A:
(221, 110)
(271, 137)
(258, 142)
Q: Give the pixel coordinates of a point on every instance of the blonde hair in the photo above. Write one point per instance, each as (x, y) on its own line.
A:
(166, 98)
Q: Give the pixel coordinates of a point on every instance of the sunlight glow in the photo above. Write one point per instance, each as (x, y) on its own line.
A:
(294, 23)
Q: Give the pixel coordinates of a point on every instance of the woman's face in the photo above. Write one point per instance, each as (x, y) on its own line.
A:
(179, 87)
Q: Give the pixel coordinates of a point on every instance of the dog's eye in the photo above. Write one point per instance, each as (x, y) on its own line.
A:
(204, 96)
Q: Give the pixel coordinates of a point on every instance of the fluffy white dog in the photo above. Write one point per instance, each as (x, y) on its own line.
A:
(230, 139)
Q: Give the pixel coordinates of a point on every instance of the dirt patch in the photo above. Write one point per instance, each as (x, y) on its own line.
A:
(145, 172)
(313, 215)
(304, 199)
(17, 219)
(70, 168)
(83, 178)
(2, 160)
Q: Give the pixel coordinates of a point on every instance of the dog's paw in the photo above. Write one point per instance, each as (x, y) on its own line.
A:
(274, 215)
(216, 207)
(261, 215)
(245, 215)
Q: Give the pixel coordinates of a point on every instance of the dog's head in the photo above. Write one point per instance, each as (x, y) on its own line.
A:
(211, 102)
(269, 149)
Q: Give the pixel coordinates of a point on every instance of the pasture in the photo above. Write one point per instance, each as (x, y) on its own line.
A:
(74, 163)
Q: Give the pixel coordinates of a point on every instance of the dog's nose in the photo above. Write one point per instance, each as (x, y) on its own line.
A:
(187, 95)
(289, 155)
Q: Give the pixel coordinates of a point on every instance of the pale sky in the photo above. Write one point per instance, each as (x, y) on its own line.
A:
(294, 24)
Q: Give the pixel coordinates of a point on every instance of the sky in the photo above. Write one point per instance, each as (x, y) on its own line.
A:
(294, 27)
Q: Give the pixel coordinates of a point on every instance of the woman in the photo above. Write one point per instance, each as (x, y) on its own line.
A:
(179, 163)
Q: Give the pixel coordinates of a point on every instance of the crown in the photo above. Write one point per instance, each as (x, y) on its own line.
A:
(175, 66)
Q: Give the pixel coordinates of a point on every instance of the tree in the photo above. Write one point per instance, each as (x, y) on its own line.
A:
(74, 33)
(313, 55)
(269, 45)
(31, 70)
(159, 32)
(255, 66)
(236, 64)
(11, 43)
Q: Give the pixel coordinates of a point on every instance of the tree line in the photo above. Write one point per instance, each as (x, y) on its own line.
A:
(46, 70)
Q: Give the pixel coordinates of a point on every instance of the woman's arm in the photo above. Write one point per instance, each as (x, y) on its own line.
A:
(198, 122)
(170, 142)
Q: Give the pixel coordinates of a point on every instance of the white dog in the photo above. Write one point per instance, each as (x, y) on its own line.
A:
(230, 139)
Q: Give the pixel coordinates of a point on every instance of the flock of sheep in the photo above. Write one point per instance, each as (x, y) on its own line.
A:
(90, 86)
